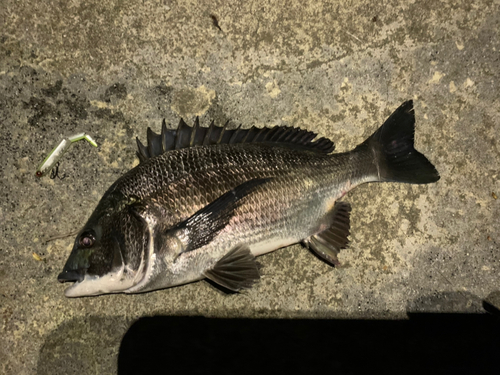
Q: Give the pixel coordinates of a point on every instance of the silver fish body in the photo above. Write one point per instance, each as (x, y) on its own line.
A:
(205, 207)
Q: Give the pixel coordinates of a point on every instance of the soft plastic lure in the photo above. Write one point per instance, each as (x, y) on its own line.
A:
(59, 150)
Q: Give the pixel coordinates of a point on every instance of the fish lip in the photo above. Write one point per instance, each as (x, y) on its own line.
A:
(69, 291)
(93, 285)
(71, 276)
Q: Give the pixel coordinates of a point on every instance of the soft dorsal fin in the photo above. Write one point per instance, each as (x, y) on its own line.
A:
(187, 136)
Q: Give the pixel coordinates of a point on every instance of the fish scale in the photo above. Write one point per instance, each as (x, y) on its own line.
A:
(280, 215)
(204, 202)
(220, 174)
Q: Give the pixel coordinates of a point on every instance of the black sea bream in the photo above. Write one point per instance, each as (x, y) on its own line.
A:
(204, 202)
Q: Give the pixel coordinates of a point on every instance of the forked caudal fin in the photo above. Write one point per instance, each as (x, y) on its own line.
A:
(393, 152)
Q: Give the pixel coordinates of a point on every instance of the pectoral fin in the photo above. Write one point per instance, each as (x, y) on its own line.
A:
(236, 270)
(204, 225)
(327, 244)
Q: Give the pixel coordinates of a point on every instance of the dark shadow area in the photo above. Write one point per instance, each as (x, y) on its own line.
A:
(492, 303)
(447, 303)
(424, 344)
(83, 346)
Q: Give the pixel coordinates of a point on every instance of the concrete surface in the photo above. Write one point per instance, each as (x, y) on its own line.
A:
(339, 68)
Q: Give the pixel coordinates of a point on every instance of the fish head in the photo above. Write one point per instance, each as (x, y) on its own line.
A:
(107, 255)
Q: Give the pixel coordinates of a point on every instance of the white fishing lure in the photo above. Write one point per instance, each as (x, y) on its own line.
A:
(55, 155)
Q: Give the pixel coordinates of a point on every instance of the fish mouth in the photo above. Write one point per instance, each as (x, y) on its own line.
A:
(93, 285)
(71, 276)
(76, 277)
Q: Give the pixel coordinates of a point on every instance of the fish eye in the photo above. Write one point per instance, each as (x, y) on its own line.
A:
(87, 239)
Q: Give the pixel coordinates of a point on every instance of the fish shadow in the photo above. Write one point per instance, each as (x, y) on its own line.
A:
(448, 302)
(87, 345)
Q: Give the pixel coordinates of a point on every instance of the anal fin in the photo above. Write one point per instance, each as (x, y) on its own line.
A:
(328, 243)
(236, 270)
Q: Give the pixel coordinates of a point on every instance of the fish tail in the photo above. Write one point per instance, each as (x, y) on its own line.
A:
(391, 149)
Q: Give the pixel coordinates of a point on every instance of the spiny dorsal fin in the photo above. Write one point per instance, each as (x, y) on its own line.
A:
(187, 136)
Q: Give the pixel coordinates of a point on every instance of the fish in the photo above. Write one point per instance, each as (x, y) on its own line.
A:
(204, 202)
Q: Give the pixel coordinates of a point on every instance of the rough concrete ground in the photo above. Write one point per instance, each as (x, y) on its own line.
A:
(338, 68)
